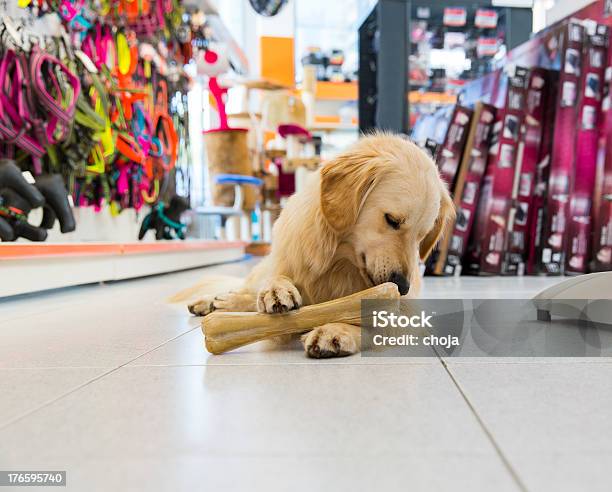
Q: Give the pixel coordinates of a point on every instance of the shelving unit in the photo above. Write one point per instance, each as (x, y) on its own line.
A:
(332, 123)
(336, 91)
(33, 267)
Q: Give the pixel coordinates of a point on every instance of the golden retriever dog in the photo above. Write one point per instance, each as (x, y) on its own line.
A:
(367, 217)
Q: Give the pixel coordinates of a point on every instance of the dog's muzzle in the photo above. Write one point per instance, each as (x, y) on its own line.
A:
(401, 281)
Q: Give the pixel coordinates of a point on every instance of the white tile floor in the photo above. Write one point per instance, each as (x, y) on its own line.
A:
(112, 384)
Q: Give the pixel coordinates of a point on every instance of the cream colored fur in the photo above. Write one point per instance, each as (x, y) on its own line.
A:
(334, 238)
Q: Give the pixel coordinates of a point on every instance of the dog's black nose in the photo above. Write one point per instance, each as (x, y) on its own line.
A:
(402, 282)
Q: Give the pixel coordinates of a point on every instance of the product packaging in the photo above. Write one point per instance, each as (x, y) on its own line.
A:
(503, 171)
(534, 155)
(449, 155)
(579, 225)
(537, 212)
(471, 257)
(601, 251)
(566, 126)
(466, 192)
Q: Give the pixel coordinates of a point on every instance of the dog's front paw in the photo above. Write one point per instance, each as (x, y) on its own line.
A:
(203, 306)
(331, 340)
(279, 296)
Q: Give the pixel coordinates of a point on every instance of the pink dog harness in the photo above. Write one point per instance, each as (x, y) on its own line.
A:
(37, 101)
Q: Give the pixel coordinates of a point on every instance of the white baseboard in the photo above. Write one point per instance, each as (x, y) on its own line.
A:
(22, 273)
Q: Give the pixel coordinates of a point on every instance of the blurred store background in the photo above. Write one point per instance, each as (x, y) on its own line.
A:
(200, 118)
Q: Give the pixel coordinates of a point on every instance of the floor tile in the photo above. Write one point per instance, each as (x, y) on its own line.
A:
(24, 390)
(550, 420)
(178, 418)
(157, 287)
(22, 306)
(189, 349)
(415, 472)
(261, 428)
(486, 287)
(88, 335)
(104, 325)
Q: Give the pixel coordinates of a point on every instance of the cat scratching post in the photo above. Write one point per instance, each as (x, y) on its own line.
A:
(228, 153)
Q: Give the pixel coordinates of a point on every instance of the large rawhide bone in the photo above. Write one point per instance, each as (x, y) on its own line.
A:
(226, 331)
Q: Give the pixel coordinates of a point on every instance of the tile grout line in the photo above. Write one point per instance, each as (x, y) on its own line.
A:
(314, 362)
(483, 426)
(310, 362)
(87, 383)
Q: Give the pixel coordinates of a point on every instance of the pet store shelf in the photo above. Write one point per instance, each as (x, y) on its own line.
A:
(34, 267)
(332, 123)
(339, 91)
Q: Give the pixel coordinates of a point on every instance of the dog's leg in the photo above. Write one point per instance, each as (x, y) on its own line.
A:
(278, 295)
(231, 301)
(332, 340)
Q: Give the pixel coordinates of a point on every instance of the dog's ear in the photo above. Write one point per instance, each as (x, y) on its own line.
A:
(346, 182)
(446, 216)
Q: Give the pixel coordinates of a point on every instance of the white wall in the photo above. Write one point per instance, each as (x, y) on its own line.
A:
(558, 9)
(247, 27)
(99, 226)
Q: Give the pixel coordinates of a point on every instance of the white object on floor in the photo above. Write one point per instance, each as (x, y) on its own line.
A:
(587, 295)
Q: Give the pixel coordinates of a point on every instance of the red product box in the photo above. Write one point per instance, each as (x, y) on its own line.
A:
(466, 191)
(579, 225)
(528, 169)
(537, 212)
(496, 220)
(449, 155)
(601, 254)
(552, 257)
(471, 258)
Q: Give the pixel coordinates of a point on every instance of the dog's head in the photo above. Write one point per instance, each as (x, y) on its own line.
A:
(384, 199)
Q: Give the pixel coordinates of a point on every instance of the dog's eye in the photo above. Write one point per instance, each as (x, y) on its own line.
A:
(392, 222)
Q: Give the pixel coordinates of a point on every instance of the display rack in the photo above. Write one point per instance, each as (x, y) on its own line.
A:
(386, 49)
